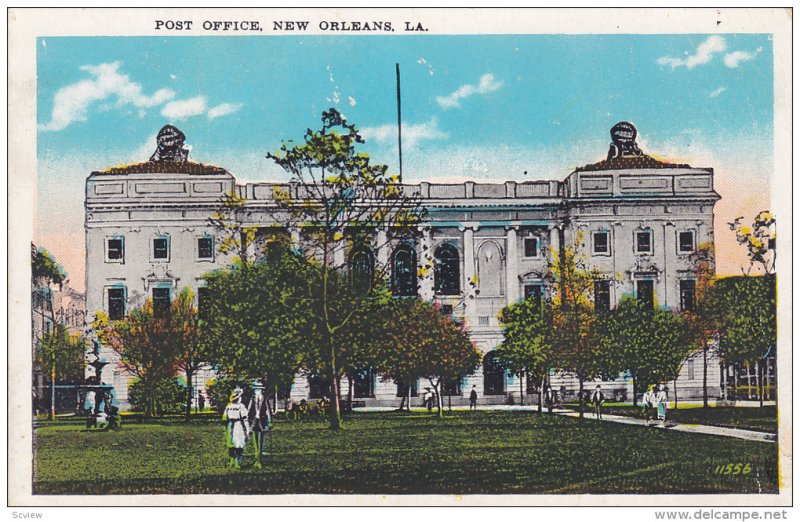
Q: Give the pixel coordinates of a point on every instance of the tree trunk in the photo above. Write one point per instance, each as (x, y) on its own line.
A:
(635, 402)
(336, 411)
(408, 396)
(349, 393)
(760, 381)
(521, 394)
(675, 390)
(440, 409)
(189, 394)
(541, 393)
(705, 378)
(749, 379)
(52, 415)
(580, 397)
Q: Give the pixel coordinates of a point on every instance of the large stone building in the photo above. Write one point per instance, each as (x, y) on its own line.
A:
(637, 219)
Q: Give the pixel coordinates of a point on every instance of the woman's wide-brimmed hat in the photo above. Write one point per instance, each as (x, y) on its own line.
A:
(237, 393)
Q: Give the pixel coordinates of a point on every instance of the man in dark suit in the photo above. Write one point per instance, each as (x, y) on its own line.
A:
(261, 417)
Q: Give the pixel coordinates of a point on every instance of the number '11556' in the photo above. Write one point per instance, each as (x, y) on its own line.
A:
(733, 469)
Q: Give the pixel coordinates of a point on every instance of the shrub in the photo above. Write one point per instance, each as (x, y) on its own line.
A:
(169, 396)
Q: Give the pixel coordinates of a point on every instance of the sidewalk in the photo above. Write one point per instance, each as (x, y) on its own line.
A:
(737, 433)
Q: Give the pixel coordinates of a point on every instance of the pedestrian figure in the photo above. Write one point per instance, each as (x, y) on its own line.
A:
(648, 403)
(597, 401)
(261, 418)
(661, 403)
(201, 401)
(473, 399)
(428, 399)
(549, 399)
(238, 429)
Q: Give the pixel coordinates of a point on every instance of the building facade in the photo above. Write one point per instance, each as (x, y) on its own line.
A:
(636, 219)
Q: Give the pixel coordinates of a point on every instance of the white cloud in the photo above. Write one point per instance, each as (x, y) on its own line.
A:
(182, 109)
(412, 134)
(223, 109)
(717, 92)
(351, 101)
(71, 103)
(704, 53)
(733, 59)
(486, 84)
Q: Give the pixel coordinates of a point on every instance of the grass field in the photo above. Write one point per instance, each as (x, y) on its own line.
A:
(758, 419)
(482, 452)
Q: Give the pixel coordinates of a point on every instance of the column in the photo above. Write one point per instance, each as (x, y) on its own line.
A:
(425, 262)
(512, 269)
(338, 253)
(383, 249)
(469, 270)
(555, 244)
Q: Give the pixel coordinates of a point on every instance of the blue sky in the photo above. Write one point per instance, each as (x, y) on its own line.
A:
(476, 107)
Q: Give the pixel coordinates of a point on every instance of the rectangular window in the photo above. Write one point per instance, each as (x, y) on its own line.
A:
(161, 248)
(483, 320)
(687, 295)
(643, 242)
(116, 303)
(205, 247)
(686, 241)
(602, 295)
(644, 292)
(534, 292)
(531, 246)
(600, 243)
(690, 369)
(202, 302)
(115, 249)
(161, 301)
(447, 309)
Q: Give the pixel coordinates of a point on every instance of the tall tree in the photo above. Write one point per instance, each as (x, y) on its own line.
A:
(235, 236)
(575, 342)
(145, 343)
(420, 342)
(699, 316)
(527, 346)
(188, 355)
(760, 240)
(59, 355)
(254, 322)
(347, 209)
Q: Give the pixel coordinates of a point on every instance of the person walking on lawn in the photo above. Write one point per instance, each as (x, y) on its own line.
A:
(597, 401)
(648, 403)
(661, 403)
(238, 431)
(473, 399)
(259, 412)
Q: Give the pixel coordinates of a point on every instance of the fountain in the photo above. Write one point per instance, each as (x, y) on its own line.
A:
(96, 398)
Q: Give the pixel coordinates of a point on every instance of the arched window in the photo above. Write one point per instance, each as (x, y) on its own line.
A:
(494, 378)
(446, 270)
(362, 268)
(490, 269)
(404, 271)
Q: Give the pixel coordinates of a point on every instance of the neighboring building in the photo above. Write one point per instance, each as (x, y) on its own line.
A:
(639, 219)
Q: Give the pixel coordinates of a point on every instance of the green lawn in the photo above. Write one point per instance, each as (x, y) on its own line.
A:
(483, 452)
(758, 419)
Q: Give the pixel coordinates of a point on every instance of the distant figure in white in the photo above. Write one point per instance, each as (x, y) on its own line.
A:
(261, 418)
(238, 428)
(661, 403)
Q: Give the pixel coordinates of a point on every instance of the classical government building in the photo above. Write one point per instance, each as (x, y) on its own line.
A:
(635, 218)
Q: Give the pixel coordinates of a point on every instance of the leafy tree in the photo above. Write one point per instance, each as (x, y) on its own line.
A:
(234, 236)
(759, 240)
(347, 209)
(188, 354)
(45, 271)
(700, 318)
(59, 355)
(527, 345)
(746, 317)
(146, 346)
(255, 322)
(419, 341)
(576, 347)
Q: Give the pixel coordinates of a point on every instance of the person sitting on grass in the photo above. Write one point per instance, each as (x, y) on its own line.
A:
(238, 431)
(597, 401)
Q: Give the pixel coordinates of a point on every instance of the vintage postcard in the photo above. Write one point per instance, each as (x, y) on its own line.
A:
(400, 257)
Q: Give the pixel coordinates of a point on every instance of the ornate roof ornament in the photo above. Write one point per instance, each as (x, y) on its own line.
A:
(169, 146)
(623, 141)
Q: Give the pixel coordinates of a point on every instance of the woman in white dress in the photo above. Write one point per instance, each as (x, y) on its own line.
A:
(238, 428)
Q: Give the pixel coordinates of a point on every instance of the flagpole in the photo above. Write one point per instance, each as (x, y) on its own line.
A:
(399, 125)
